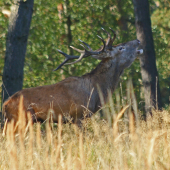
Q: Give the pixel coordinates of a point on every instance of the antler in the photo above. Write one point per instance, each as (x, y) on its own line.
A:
(109, 40)
(84, 53)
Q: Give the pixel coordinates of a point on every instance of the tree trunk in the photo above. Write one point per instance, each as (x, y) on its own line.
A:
(147, 61)
(68, 26)
(16, 43)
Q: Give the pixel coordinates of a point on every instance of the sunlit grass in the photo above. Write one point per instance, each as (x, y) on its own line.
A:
(98, 146)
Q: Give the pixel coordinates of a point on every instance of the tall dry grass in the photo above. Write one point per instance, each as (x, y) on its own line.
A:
(99, 146)
(123, 142)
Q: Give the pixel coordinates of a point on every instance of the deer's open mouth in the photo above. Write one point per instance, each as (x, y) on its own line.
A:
(139, 51)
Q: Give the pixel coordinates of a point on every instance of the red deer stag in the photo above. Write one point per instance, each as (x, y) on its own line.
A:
(71, 96)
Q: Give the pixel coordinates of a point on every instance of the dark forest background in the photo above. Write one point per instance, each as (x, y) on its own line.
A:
(59, 24)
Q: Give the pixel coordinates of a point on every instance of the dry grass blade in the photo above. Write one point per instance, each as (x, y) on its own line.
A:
(117, 95)
(5, 128)
(152, 147)
(48, 133)
(120, 114)
(81, 151)
(115, 124)
(59, 143)
(31, 138)
(21, 129)
(69, 163)
(118, 137)
(12, 146)
(22, 118)
(131, 124)
(38, 136)
(59, 129)
(103, 104)
(105, 166)
(134, 103)
(112, 109)
(162, 166)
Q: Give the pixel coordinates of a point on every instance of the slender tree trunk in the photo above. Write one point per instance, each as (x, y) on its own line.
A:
(16, 43)
(147, 61)
(68, 26)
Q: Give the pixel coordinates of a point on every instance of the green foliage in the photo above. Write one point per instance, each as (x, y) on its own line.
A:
(50, 31)
(3, 32)
(161, 28)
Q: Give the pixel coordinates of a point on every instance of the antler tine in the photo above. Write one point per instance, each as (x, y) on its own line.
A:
(61, 52)
(109, 36)
(89, 46)
(84, 48)
(78, 50)
(61, 64)
(68, 57)
(85, 44)
(113, 33)
(104, 44)
(109, 40)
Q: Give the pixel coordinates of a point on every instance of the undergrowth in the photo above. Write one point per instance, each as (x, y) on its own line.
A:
(122, 145)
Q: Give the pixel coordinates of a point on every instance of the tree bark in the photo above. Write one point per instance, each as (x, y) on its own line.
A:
(147, 61)
(68, 25)
(16, 43)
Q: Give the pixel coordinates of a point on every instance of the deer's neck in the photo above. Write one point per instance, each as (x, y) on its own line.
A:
(106, 75)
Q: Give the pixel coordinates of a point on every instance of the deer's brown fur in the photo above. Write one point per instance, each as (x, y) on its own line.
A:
(71, 96)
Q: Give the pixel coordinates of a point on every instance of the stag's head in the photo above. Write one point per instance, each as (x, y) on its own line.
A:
(123, 54)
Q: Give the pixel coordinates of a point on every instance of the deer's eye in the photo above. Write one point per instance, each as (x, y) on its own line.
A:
(121, 48)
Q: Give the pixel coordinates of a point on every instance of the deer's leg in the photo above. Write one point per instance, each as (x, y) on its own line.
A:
(33, 115)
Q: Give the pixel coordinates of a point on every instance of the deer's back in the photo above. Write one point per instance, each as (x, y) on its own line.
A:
(65, 97)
